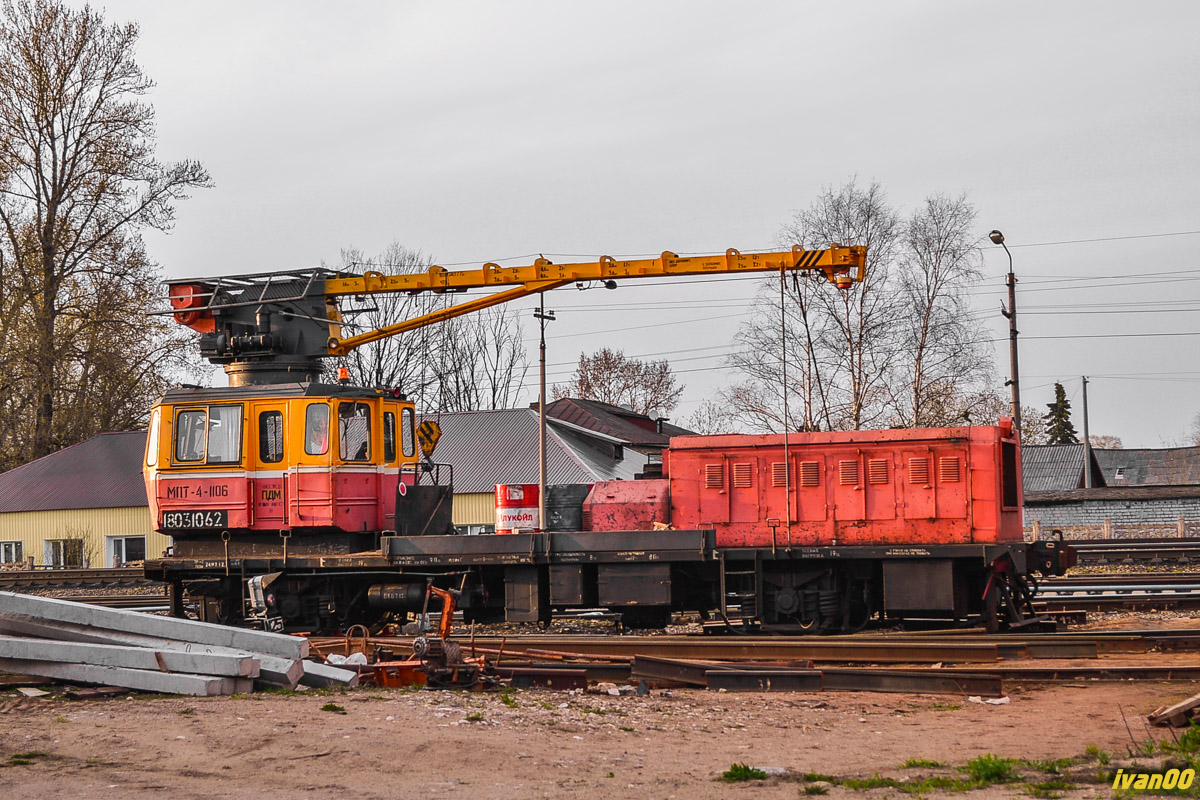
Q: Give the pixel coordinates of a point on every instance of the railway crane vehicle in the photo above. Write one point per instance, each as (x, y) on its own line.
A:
(301, 505)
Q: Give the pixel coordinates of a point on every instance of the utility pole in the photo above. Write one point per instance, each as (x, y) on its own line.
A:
(543, 316)
(1011, 313)
(1087, 442)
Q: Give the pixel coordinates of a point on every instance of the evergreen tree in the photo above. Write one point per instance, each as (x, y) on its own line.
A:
(1059, 429)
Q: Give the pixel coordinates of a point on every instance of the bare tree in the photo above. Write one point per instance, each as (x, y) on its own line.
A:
(610, 377)
(941, 348)
(78, 180)
(711, 418)
(898, 349)
(1105, 442)
(460, 364)
(1033, 426)
(837, 341)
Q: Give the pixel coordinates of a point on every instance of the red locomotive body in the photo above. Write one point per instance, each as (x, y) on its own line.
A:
(919, 486)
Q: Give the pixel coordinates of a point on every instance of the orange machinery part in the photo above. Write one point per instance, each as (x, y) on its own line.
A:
(184, 296)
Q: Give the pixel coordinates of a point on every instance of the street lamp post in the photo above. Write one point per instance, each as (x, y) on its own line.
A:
(1011, 313)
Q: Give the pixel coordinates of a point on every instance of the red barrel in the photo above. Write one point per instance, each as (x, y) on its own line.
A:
(517, 508)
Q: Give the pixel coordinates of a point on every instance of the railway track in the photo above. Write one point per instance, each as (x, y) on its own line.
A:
(123, 577)
(896, 662)
(1149, 552)
(1156, 591)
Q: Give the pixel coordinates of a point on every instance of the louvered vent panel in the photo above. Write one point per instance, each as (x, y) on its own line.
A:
(810, 473)
(743, 476)
(848, 473)
(949, 470)
(779, 473)
(714, 476)
(877, 470)
(918, 471)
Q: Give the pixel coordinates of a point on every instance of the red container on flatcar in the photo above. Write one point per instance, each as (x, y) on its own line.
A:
(918, 486)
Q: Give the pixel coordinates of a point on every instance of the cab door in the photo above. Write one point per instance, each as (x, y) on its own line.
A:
(268, 485)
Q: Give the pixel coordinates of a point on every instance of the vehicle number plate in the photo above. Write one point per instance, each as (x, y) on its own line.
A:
(178, 520)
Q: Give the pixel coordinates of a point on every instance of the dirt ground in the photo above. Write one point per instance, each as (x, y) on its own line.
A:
(670, 744)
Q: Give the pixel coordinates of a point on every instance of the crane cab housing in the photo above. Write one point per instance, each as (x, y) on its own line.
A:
(326, 464)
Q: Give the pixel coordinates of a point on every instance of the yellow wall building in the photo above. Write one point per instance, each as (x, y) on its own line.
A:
(82, 506)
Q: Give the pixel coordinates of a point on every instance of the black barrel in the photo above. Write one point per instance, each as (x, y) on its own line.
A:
(564, 506)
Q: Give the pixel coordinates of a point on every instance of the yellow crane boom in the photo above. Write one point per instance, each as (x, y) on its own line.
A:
(841, 265)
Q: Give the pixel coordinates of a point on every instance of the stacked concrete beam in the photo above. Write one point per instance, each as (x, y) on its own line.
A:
(89, 644)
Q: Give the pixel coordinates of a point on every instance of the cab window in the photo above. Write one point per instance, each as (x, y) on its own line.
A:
(189, 434)
(316, 429)
(354, 431)
(224, 434)
(152, 439)
(407, 433)
(389, 436)
(270, 437)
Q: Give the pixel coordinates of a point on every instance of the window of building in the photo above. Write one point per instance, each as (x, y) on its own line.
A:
(408, 432)
(123, 550)
(270, 437)
(389, 436)
(189, 434)
(11, 552)
(316, 429)
(354, 431)
(224, 434)
(63, 553)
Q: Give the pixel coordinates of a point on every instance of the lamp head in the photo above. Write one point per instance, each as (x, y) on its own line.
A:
(997, 237)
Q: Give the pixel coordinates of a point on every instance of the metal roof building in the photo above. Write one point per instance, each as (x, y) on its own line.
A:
(637, 430)
(102, 472)
(1055, 468)
(1173, 466)
(85, 504)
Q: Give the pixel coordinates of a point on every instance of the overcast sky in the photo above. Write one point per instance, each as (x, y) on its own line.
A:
(488, 131)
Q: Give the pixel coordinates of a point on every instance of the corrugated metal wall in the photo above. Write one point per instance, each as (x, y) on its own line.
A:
(33, 528)
(474, 509)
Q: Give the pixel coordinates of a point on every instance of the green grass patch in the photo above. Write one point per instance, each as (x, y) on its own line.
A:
(738, 773)
(24, 759)
(187, 712)
(1047, 790)
(814, 789)
(876, 781)
(1094, 753)
(508, 699)
(921, 763)
(333, 708)
(813, 777)
(1051, 766)
(474, 717)
(990, 768)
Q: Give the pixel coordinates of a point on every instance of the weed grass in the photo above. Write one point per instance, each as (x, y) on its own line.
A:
(738, 773)
(24, 759)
